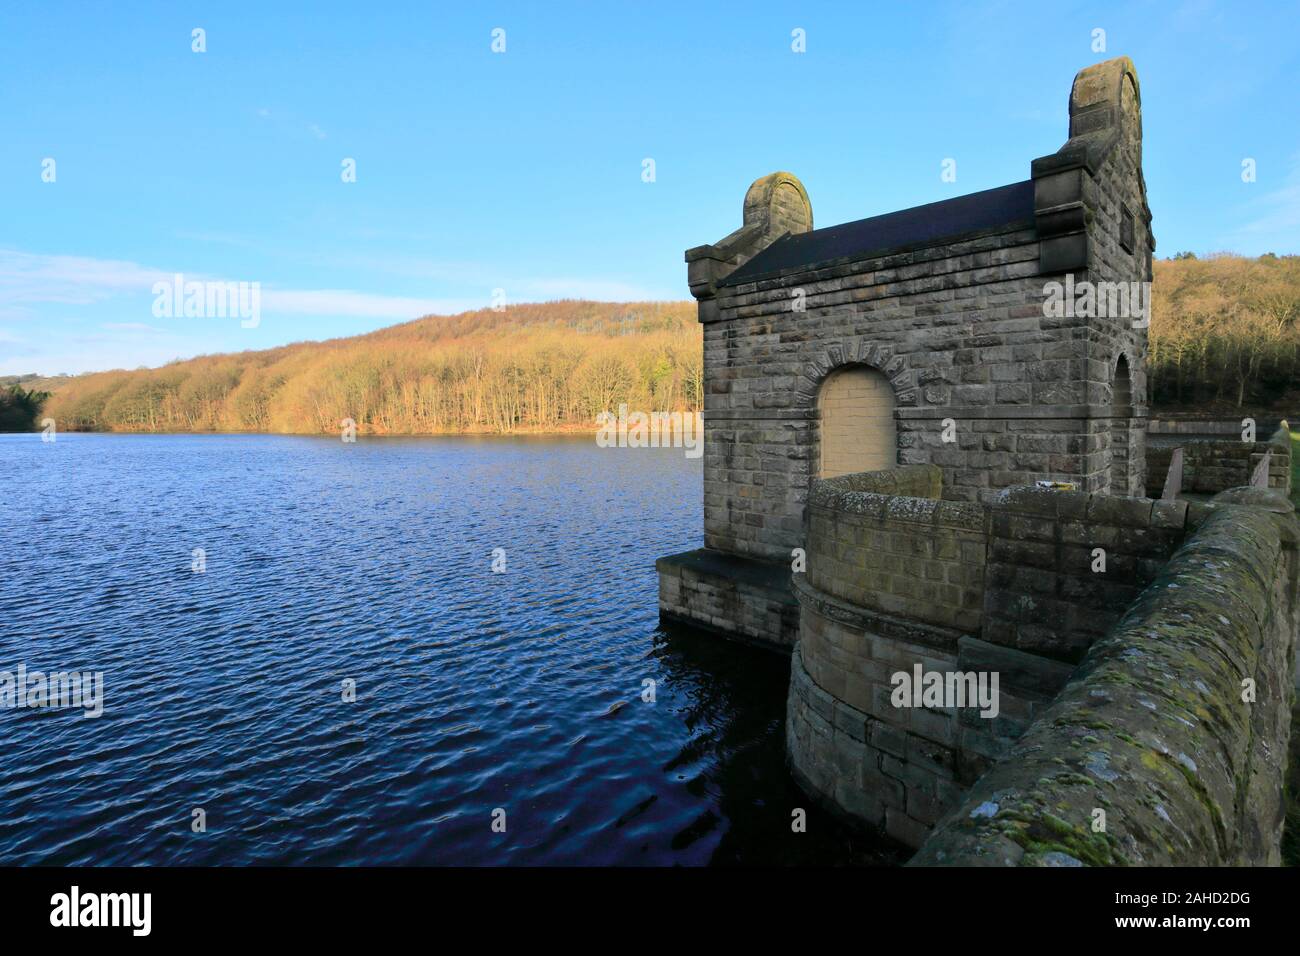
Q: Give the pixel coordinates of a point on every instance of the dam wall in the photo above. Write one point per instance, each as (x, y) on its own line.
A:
(1168, 744)
(1019, 587)
(1214, 456)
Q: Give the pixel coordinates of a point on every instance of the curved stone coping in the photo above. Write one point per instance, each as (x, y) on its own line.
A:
(918, 481)
(1279, 440)
(1096, 116)
(1172, 430)
(869, 621)
(964, 515)
(1152, 729)
(907, 493)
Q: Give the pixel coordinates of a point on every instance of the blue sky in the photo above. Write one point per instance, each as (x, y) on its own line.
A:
(522, 171)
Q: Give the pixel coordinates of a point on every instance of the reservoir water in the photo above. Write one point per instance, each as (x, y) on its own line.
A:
(491, 601)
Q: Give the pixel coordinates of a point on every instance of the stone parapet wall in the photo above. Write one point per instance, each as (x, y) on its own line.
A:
(1042, 594)
(1204, 427)
(914, 557)
(1175, 726)
(896, 581)
(1041, 571)
(1214, 464)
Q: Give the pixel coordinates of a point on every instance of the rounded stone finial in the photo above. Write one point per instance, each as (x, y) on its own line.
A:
(779, 203)
(1103, 95)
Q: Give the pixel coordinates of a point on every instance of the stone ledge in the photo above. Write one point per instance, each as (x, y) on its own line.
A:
(955, 412)
(754, 573)
(760, 414)
(758, 604)
(878, 623)
(1019, 412)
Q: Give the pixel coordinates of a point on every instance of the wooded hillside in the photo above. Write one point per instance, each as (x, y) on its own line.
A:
(538, 367)
(1225, 336)
(1225, 333)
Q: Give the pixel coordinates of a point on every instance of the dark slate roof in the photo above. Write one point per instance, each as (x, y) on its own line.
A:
(918, 226)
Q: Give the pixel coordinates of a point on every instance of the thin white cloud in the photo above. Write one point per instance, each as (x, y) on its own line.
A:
(345, 302)
(28, 279)
(1274, 216)
(517, 288)
(461, 274)
(1283, 212)
(113, 296)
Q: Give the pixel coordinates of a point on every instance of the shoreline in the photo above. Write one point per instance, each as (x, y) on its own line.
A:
(514, 433)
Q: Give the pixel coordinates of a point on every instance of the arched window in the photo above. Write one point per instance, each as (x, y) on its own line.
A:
(1121, 399)
(1122, 393)
(857, 422)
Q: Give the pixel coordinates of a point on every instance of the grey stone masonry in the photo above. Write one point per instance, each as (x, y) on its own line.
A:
(897, 578)
(993, 636)
(1153, 737)
(749, 601)
(1216, 458)
(1001, 374)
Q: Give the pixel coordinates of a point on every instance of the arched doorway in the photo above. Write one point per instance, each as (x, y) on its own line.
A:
(857, 422)
(1121, 399)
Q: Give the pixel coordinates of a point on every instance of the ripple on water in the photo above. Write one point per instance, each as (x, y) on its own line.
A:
(372, 563)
